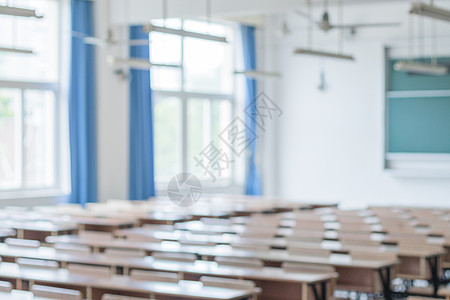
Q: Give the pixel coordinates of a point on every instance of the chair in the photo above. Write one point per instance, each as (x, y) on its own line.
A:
(229, 283)
(372, 255)
(154, 276)
(96, 235)
(22, 243)
(306, 267)
(55, 293)
(87, 270)
(141, 238)
(174, 256)
(126, 253)
(5, 286)
(305, 251)
(239, 261)
(37, 263)
(216, 221)
(72, 248)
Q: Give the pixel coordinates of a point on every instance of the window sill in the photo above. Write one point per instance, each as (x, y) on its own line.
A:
(33, 197)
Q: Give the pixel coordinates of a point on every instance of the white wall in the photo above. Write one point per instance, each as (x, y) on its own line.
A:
(112, 117)
(331, 143)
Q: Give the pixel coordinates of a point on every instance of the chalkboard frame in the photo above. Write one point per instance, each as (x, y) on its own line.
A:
(410, 164)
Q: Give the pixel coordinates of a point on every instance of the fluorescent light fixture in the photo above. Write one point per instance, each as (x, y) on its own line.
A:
(16, 50)
(430, 11)
(135, 63)
(323, 54)
(184, 33)
(257, 74)
(18, 12)
(420, 68)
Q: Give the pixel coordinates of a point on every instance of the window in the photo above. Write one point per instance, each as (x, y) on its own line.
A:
(194, 99)
(30, 155)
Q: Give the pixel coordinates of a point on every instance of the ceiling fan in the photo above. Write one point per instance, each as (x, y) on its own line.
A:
(325, 25)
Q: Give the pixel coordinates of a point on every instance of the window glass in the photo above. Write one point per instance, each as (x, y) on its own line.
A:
(166, 48)
(10, 138)
(39, 35)
(208, 66)
(166, 78)
(39, 143)
(167, 137)
(206, 120)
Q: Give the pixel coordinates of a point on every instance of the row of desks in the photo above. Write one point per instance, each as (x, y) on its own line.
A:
(297, 282)
(378, 270)
(94, 287)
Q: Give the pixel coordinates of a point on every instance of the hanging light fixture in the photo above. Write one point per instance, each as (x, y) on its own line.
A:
(412, 66)
(18, 12)
(430, 11)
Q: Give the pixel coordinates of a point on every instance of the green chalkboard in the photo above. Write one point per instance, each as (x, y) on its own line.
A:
(418, 122)
(419, 125)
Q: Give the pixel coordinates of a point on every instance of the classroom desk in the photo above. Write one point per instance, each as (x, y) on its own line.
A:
(6, 233)
(295, 283)
(272, 257)
(20, 295)
(164, 219)
(95, 287)
(40, 230)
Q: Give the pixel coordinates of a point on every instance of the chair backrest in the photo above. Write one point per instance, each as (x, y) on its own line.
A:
(120, 297)
(216, 221)
(96, 235)
(158, 227)
(5, 286)
(37, 263)
(372, 255)
(306, 267)
(305, 251)
(134, 237)
(248, 262)
(72, 248)
(175, 256)
(196, 243)
(86, 270)
(248, 246)
(22, 243)
(125, 253)
(363, 242)
(55, 293)
(227, 283)
(154, 276)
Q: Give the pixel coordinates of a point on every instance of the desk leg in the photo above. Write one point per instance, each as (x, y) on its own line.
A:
(386, 281)
(433, 262)
(323, 291)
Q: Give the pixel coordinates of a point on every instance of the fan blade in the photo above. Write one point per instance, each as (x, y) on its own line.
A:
(305, 15)
(353, 26)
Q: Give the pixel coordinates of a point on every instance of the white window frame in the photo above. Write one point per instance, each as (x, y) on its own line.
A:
(60, 189)
(222, 185)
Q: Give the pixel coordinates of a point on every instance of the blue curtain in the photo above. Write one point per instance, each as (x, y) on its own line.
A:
(142, 183)
(253, 180)
(82, 108)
